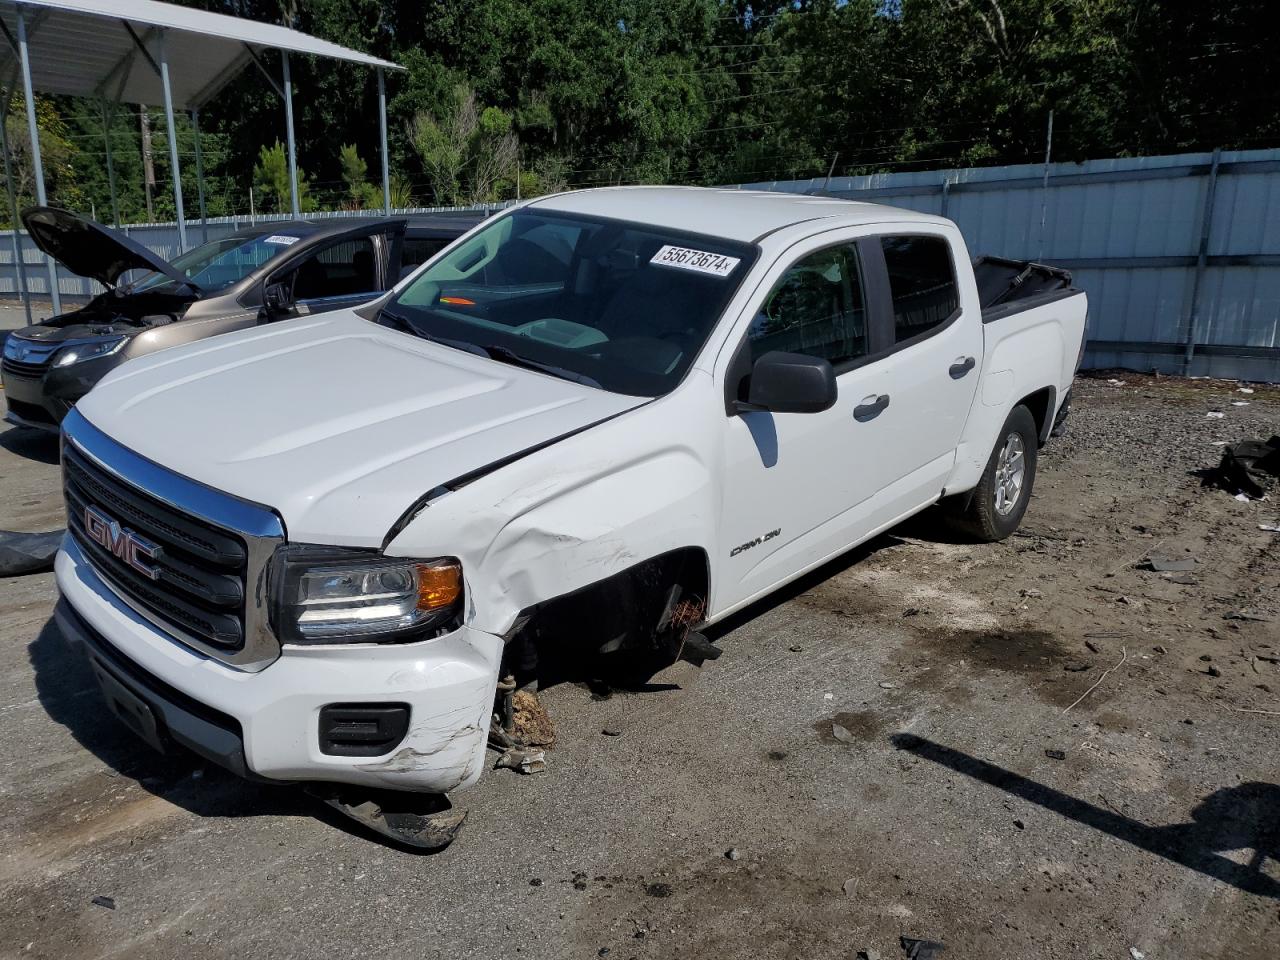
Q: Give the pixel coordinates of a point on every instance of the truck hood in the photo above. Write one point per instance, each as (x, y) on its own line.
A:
(338, 424)
(89, 249)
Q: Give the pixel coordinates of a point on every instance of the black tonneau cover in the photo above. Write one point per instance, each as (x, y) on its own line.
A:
(1001, 280)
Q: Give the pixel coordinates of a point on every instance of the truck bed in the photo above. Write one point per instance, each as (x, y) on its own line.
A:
(1007, 286)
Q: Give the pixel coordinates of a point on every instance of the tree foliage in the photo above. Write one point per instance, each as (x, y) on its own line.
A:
(506, 97)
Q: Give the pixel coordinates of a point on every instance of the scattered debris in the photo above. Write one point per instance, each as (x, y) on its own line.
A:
(842, 734)
(1270, 527)
(1030, 594)
(1239, 403)
(421, 820)
(697, 649)
(732, 854)
(108, 902)
(912, 612)
(1245, 615)
(1213, 671)
(521, 760)
(1136, 954)
(611, 732)
(1160, 649)
(1075, 666)
(1124, 655)
(868, 955)
(22, 553)
(795, 648)
(1116, 383)
(658, 890)
(532, 724)
(1215, 415)
(828, 696)
(1093, 647)
(1169, 564)
(1184, 579)
(1019, 824)
(1055, 754)
(850, 887)
(922, 949)
(1250, 467)
(886, 685)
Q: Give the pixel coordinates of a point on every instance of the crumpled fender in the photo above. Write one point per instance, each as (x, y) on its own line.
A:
(567, 516)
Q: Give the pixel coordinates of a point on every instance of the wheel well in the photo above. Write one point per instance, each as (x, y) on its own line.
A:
(1040, 404)
(628, 611)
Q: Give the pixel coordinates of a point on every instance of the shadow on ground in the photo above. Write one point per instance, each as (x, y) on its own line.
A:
(67, 690)
(32, 444)
(1243, 817)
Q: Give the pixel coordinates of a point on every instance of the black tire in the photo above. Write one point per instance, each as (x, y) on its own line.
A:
(988, 517)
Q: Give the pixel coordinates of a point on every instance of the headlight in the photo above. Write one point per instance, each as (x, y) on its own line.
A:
(333, 596)
(87, 351)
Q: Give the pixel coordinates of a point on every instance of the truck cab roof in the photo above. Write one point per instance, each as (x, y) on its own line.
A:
(742, 215)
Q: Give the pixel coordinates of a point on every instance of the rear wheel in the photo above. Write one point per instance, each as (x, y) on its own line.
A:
(998, 502)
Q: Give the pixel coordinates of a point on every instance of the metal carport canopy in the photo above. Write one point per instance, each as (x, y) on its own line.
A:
(148, 52)
(74, 52)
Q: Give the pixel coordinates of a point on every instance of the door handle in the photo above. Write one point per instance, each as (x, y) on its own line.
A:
(871, 407)
(962, 366)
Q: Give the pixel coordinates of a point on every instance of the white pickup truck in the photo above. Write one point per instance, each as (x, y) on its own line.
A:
(308, 551)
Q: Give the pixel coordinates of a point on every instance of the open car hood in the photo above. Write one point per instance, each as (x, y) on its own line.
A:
(89, 249)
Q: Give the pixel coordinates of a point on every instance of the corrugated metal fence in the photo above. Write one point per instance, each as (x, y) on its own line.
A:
(1180, 254)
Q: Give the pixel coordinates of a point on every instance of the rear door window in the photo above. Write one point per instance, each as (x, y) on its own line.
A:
(922, 282)
(816, 309)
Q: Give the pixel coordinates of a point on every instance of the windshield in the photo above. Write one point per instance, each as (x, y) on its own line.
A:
(216, 265)
(622, 306)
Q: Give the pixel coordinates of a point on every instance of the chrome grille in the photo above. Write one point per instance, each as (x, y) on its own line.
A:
(209, 590)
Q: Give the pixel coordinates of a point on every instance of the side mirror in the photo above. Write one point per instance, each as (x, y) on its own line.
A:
(791, 383)
(278, 297)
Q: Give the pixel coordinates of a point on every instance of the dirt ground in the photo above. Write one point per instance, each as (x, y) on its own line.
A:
(1033, 749)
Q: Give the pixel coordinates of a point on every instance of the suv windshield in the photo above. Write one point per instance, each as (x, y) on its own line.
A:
(215, 265)
(618, 305)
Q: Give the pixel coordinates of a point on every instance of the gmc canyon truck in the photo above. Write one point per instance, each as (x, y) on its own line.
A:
(309, 551)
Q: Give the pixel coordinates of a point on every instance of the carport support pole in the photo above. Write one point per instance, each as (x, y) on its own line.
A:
(173, 143)
(38, 165)
(20, 276)
(204, 219)
(111, 170)
(1202, 256)
(382, 133)
(288, 129)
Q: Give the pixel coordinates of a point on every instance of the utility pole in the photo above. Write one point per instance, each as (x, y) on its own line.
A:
(148, 165)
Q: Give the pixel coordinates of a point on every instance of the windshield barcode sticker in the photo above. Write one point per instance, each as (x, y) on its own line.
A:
(698, 261)
(281, 239)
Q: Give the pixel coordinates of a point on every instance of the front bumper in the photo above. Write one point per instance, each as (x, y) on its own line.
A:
(28, 405)
(42, 401)
(266, 724)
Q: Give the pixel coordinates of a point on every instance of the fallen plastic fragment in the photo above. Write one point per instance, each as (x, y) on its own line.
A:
(1136, 954)
(28, 552)
(108, 902)
(522, 761)
(1170, 564)
(922, 949)
(1249, 469)
(422, 821)
(1270, 527)
(1214, 415)
(842, 733)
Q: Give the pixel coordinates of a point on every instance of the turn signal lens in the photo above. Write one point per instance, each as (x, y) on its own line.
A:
(439, 585)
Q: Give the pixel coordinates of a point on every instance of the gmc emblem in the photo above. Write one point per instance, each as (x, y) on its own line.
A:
(125, 544)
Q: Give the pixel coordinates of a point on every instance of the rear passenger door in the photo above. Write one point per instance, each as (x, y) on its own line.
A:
(931, 365)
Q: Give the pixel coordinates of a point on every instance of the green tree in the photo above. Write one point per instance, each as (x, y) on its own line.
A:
(354, 172)
(271, 180)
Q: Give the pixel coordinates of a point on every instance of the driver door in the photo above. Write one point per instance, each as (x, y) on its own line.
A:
(347, 270)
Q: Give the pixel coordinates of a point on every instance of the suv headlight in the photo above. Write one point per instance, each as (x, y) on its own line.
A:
(91, 350)
(325, 595)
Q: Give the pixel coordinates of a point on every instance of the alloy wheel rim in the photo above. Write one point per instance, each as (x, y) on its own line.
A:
(1011, 472)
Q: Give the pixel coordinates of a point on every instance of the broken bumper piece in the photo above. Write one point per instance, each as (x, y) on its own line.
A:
(270, 721)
